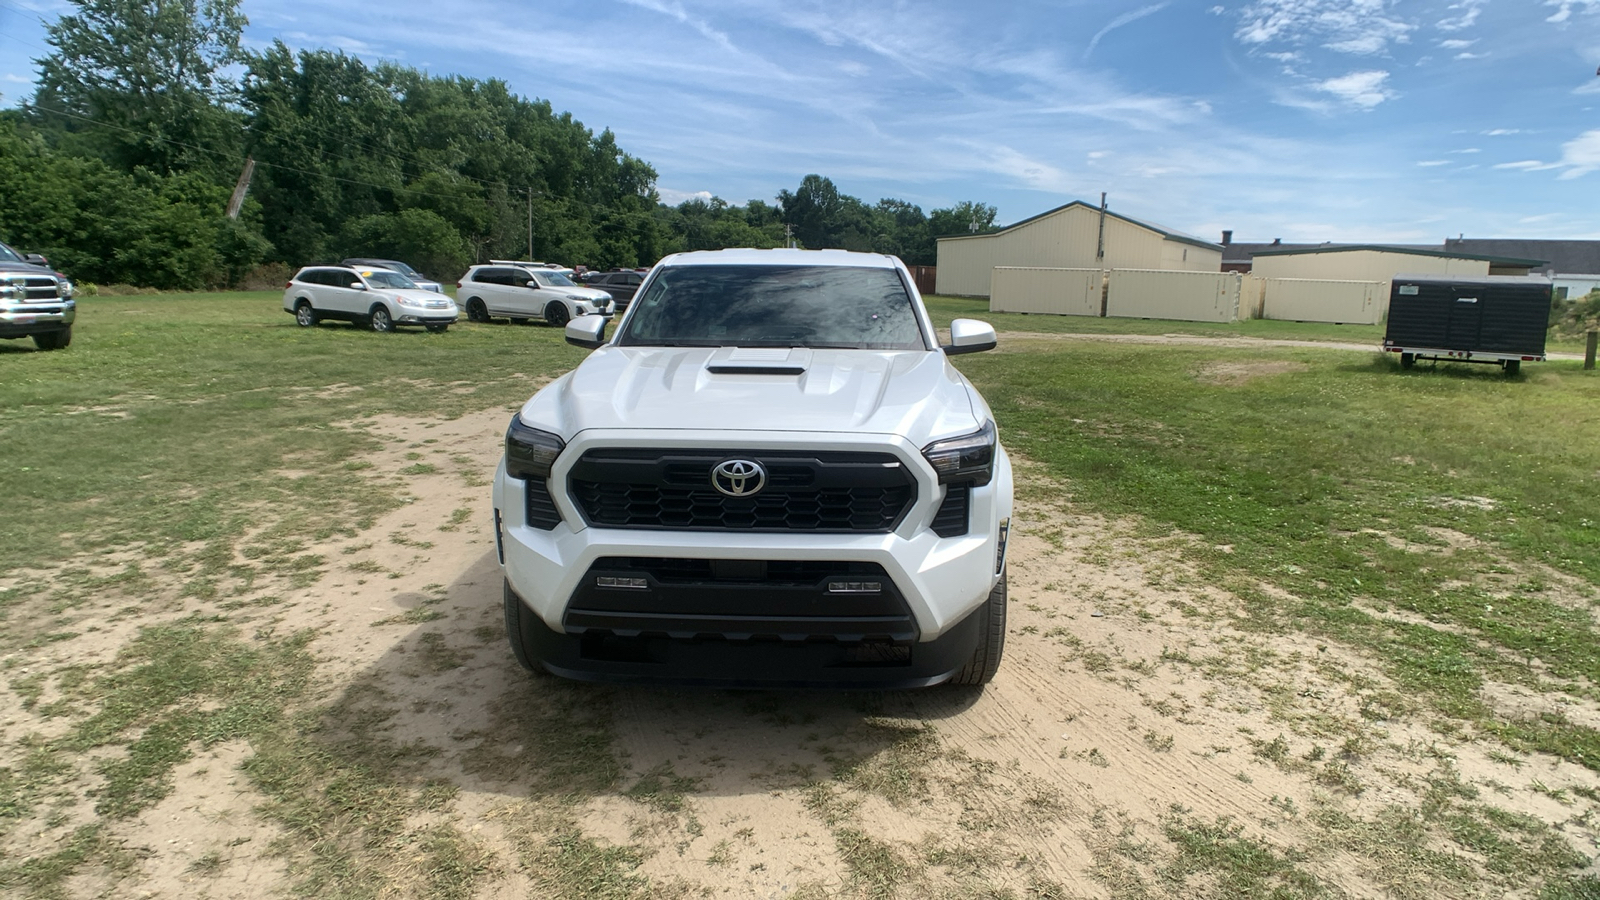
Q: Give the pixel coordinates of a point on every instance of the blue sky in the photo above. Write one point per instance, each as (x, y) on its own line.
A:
(1307, 120)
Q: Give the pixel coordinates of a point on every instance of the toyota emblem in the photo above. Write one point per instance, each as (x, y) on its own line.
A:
(738, 477)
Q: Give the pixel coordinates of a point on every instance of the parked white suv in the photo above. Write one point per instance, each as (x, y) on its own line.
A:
(379, 299)
(520, 292)
(772, 475)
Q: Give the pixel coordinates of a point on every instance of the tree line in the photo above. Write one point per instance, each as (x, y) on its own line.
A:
(121, 166)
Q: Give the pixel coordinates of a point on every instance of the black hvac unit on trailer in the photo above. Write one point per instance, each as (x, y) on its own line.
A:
(1499, 319)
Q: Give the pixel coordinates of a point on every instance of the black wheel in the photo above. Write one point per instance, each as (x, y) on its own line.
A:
(986, 659)
(304, 315)
(436, 329)
(555, 312)
(1513, 366)
(54, 340)
(1407, 360)
(476, 311)
(380, 319)
(517, 627)
(517, 321)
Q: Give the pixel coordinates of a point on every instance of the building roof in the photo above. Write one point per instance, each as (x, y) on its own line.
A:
(1399, 248)
(1565, 257)
(1167, 233)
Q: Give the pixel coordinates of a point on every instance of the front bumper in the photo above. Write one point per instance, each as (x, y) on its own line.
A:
(424, 317)
(23, 319)
(939, 582)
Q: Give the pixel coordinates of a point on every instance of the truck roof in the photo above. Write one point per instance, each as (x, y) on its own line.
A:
(780, 257)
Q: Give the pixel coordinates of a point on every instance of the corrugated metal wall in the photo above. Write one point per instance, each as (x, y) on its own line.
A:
(1064, 240)
(1061, 292)
(1322, 300)
(1185, 296)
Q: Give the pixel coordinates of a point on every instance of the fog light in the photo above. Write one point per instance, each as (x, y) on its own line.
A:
(629, 584)
(855, 587)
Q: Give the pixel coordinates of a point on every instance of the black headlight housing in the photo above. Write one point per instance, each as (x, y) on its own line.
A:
(530, 453)
(968, 459)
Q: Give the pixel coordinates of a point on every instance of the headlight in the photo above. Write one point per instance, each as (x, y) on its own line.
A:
(407, 301)
(63, 288)
(530, 452)
(969, 458)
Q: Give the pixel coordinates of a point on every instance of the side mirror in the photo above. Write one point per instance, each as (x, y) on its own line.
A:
(532, 284)
(588, 332)
(357, 286)
(970, 336)
(36, 259)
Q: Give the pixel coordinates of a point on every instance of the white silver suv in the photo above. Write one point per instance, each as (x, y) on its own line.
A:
(523, 291)
(380, 299)
(771, 475)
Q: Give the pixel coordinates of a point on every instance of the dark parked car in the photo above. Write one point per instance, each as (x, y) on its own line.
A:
(35, 301)
(620, 285)
(395, 265)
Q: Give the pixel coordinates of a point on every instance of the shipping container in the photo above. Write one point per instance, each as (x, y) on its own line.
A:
(1500, 319)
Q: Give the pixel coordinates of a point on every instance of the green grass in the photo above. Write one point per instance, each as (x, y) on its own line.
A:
(1294, 472)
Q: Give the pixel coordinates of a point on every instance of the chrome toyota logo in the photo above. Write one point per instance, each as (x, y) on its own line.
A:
(738, 477)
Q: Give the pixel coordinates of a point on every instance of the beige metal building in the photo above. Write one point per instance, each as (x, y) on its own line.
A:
(1069, 237)
(1374, 262)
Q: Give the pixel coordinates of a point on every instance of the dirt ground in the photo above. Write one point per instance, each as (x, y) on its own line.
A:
(1128, 717)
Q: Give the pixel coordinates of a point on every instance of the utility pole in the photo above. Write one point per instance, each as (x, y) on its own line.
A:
(1100, 250)
(788, 235)
(242, 188)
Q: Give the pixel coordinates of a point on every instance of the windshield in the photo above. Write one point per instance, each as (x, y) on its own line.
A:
(776, 306)
(404, 269)
(553, 279)
(385, 279)
(9, 255)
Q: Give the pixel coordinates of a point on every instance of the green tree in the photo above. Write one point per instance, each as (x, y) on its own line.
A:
(151, 74)
(966, 217)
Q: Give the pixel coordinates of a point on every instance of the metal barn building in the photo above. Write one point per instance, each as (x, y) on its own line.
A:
(1378, 262)
(1069, 237)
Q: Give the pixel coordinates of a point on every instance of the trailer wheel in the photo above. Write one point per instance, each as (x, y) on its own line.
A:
(1407, 360)
(1513, 366)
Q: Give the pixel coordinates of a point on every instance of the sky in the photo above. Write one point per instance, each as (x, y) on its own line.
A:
(1306, 120)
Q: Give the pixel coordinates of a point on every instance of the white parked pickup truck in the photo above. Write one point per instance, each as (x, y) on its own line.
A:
(771, 476)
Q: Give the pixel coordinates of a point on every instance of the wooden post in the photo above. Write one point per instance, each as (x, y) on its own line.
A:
(1588, 351)
(241, 188)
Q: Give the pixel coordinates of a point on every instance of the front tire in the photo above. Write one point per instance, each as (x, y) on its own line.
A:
(991, 641)
(380, 320)
(304, 315)
(518, 620)
(477, 311)
(54, 340)
(555, 312)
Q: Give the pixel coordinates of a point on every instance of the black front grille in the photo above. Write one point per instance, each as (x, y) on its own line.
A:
(541, 512)
(831, 491)
(951, 519)
(740, 600)
(40, 289)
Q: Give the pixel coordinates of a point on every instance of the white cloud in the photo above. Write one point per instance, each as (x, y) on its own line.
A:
(12, 78)
(1363, 89)
(1525, 165)
(1581, 155)
(1456, 44)
(1471, 55)
(1120, 21)
(672, 198)
(1361, 27)
(1468, 150)
(1497, 132)
(675, 10)
(1434, 162)
(1564, 9)
(1217, 10)
(1467, 12)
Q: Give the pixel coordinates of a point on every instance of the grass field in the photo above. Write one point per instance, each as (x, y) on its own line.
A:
(191, 462)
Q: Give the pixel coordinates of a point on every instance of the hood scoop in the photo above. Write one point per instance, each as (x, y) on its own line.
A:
(759, 361)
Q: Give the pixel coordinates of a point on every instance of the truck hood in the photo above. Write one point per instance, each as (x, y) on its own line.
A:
(917, 395)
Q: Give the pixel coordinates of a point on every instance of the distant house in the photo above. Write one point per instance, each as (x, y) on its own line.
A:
(1573, 265)
(1074, 236)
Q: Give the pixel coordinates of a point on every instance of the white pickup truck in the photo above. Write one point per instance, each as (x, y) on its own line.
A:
(771, 476)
